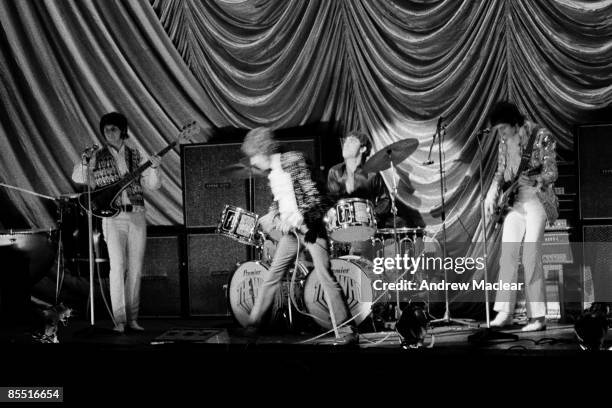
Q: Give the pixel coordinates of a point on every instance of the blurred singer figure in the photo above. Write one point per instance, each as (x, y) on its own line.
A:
(297, 212)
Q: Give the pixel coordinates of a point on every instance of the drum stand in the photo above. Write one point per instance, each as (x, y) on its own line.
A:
(446, 320)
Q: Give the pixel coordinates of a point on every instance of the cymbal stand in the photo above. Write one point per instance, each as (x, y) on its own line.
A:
(396, 242)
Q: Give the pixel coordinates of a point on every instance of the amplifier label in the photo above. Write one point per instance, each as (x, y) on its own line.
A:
(210, 186)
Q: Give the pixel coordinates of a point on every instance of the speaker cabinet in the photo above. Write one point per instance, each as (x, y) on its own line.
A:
(212, 258)
(594, 144)
(160, 290)
(205, 190)
(597, 262)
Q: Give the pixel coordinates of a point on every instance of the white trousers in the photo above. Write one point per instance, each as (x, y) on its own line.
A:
(126, 238)
(525, 224)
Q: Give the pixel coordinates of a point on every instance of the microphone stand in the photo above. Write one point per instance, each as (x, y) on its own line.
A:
(486, 334)
(92, 330)
(446, 320)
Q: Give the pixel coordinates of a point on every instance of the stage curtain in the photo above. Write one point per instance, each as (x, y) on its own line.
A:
(388, 67)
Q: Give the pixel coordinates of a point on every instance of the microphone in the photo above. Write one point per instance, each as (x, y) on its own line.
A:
(92, 148)
(439, 127)
(88, 152)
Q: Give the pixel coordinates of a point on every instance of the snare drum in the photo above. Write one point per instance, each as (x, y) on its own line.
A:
(355, 277)
(351, 220)
(244, 286)
(239, 224)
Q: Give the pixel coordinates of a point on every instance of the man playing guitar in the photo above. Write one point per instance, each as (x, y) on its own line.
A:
(125, 234)
(527, 159)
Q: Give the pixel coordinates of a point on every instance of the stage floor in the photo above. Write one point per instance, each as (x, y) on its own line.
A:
(191, 359)
(206, 332)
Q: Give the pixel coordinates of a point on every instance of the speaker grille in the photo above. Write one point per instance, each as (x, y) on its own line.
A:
(595, 187)
(597, 260)
(211, 260)
(206, 191)
(160, 293)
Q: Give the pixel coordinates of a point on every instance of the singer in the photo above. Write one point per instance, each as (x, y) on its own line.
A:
(297, 211)
(534, 204)
(125, 234)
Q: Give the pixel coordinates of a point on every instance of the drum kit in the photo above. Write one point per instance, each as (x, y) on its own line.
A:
(348, 221)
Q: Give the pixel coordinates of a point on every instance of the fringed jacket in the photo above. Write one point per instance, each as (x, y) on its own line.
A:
(311, 205)
(543, 155)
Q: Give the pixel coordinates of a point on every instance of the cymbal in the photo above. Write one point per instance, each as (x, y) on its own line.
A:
(396, 152)
(241, 171)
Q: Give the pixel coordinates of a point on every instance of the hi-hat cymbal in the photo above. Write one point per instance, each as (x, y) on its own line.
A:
(396, 152)
(241, 171)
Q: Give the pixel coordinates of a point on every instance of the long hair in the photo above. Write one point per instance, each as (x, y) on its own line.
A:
(260, 141)
(506, 112)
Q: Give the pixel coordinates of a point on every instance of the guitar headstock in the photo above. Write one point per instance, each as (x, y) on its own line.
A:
(188, 130)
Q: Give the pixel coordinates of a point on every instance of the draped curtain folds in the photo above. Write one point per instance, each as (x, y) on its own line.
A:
(392, 68)
(388, 67)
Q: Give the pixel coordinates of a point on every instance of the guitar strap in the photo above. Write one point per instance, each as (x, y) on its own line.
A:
(129, 158)
(527, 152)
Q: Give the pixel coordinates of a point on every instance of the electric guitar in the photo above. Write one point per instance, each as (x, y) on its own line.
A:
(508, 196)
(102, 199)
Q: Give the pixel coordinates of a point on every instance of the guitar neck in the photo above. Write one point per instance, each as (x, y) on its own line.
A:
(136, 173)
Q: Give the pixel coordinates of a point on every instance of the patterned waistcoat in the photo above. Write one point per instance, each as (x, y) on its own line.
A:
(106, 173)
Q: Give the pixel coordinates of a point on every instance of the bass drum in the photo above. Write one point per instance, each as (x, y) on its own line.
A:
(355, 277)
(244, 286)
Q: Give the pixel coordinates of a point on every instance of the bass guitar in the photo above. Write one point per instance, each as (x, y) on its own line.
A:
(102, 199)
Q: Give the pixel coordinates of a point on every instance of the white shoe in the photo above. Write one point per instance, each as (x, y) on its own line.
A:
(348, 336)
(119, 328)
(536, 325)
(135, 326)
(502, 319)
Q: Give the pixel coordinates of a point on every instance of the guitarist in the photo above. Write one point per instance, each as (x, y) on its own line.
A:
(125, 234)
(525, 145)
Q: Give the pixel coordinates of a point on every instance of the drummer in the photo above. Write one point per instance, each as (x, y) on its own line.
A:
(349, 180)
